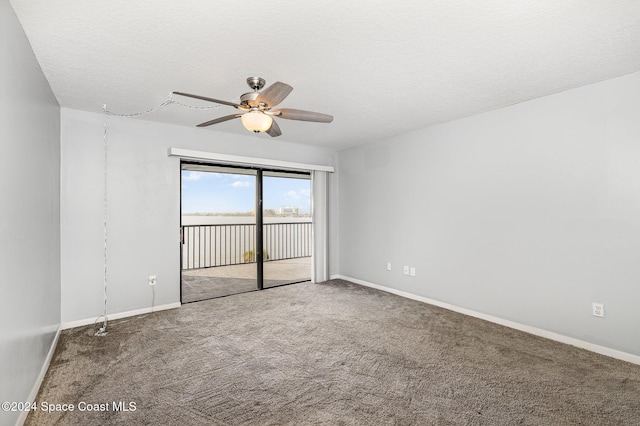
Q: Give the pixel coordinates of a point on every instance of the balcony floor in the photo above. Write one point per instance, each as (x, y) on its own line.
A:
(207, 283)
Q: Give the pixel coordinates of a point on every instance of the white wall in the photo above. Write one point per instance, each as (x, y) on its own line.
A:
(29, 215)
(143, 206)
(528, 213)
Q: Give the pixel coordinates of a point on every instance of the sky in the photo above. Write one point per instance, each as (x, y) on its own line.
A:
(207, 192)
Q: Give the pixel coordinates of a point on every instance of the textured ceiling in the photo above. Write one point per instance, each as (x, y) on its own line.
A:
(380, 68)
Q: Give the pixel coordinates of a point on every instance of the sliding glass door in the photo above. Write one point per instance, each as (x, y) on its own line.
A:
(242, 229)
(218, 231)
(287, 228)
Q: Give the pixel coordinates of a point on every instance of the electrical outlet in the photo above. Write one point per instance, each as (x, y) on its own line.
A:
(406, 270)
(412, 272)
(152, 280)
(388, 266)
(598, 309)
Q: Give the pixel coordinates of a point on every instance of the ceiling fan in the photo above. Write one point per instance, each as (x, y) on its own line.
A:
(257, 113)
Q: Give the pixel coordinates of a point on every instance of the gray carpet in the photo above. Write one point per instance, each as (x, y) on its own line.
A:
(336, 354)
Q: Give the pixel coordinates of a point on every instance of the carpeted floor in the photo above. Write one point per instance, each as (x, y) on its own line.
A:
(334, 353)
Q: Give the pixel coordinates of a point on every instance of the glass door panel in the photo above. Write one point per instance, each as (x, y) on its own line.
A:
(286, 200)
(218, 226)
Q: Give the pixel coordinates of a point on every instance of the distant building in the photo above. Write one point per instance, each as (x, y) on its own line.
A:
(288, 211)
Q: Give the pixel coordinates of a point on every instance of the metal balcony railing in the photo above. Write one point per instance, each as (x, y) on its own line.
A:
(206, 246)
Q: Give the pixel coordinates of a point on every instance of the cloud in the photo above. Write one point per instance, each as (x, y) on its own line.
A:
(241, 184)
(297, 195)
(193, 175)
(292, 195)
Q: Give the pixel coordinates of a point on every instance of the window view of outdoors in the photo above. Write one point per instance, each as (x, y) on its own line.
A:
(210, 197)
(219, 232)
(287, 230)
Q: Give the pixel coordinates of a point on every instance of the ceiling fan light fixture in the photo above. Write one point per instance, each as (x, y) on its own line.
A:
(256, 121)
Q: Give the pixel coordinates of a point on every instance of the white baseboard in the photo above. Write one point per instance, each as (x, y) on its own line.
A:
(602, 350)
(98, 320)
(43, 372)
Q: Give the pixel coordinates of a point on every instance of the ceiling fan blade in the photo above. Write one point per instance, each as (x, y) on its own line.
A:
(274, 94)
(204, 98)
(219, 120)
(298, 114)
(274, 130)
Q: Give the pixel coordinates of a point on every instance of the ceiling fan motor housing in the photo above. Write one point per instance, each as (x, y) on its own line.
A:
(249, 99)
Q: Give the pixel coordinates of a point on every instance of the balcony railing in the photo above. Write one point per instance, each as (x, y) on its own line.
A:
(206, 246)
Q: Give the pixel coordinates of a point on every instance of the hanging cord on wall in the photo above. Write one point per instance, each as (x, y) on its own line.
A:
(102, 331)
(169, 101)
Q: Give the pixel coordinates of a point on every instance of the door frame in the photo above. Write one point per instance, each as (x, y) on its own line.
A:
(258, 203)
